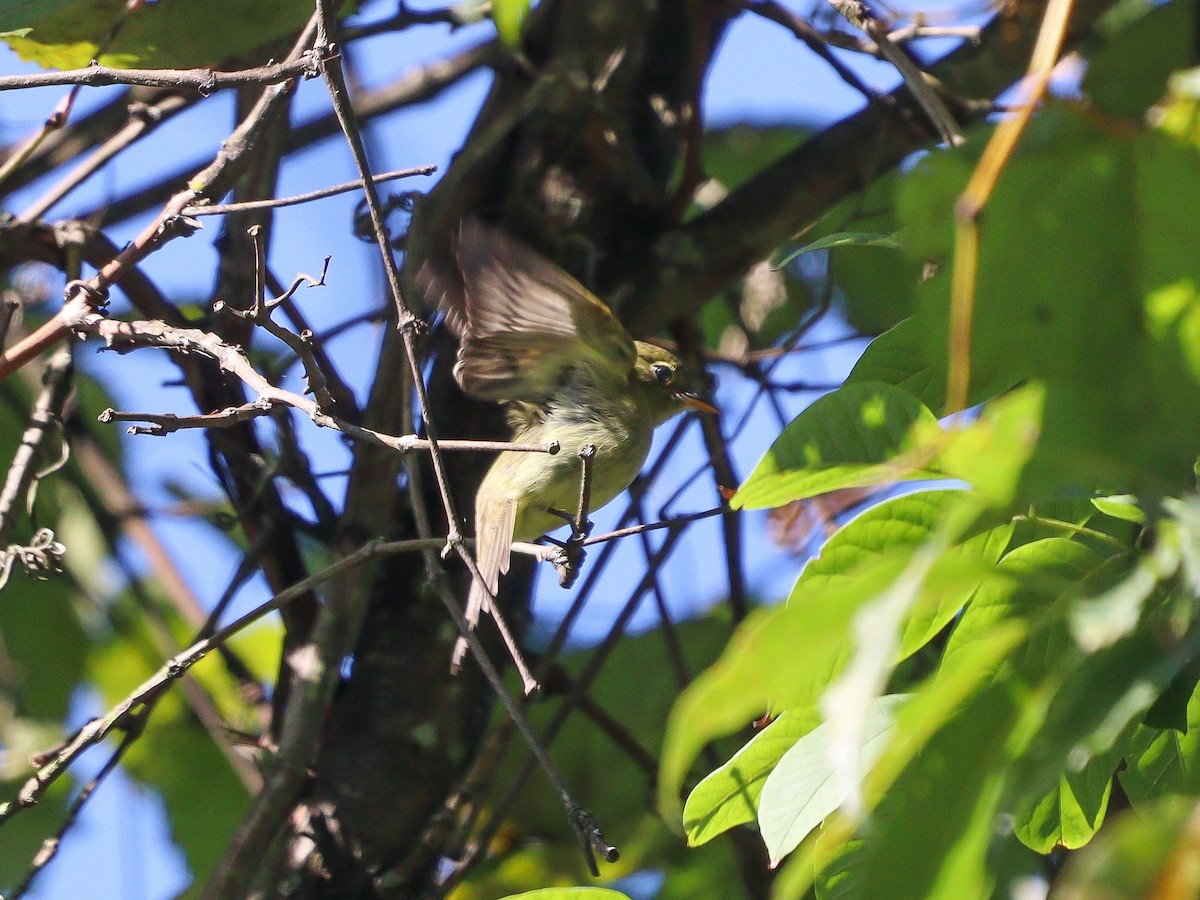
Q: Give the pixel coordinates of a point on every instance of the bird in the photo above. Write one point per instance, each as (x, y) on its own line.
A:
(535, 339)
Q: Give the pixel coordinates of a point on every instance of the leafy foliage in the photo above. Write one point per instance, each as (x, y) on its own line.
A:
(1035, 634)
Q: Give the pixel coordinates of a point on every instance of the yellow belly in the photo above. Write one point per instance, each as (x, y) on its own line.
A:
(539, 482)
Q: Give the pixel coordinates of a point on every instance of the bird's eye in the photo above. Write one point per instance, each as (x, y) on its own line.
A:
(664, 373)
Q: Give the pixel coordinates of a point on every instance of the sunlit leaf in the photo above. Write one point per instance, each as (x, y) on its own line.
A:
(761, 671)
(578, 893)
(509, 16)
(803, 788)
(898, 357)
(848, 438)
(729, 795)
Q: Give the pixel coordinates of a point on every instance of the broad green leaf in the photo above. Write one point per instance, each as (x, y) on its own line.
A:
(1060, 782)
(909, 521)
(1121, 506)
(733, 155)
(576, 893)
(990, 453)
(877, 287)
(803, 789)
(1140, 44)
(17, 15)
(935, 704)
(779, 658)
(509, 16)
(848, 438)
(1071, 813)
(836, 879)
(1164, 761)
(1038, 575)
(182, 33)
(928, 837)
(898, 357)
(843, 239)
(729, 795)
(1144, 853)
(1122, 377)
(44, 644)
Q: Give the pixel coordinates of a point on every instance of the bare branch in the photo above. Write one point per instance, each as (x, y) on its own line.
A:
(97, 729)
(45, 418)
(203, 80)
(343, 188)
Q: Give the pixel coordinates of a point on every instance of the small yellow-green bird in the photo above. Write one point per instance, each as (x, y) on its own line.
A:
(534, 338)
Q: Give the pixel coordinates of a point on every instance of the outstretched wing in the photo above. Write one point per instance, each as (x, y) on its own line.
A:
(523, 322)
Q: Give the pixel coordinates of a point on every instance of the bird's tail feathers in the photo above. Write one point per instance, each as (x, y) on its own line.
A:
(494, 526)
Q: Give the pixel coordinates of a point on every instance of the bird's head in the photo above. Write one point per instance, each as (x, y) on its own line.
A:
(661, 383)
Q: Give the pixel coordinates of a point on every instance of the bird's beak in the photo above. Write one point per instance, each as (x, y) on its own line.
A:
(689, 399)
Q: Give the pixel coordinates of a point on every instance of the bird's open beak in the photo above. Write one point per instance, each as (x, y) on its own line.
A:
(696, 403)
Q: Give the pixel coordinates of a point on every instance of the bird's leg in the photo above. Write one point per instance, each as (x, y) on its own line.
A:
(572, 551)
(581, 527)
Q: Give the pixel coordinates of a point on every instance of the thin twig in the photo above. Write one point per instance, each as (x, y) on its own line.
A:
(856, 13)
(97, 729)
(203, 80)
(10, 302)
(133, 727)
(143, 119)
(979, 190)
(45, 418)
(125, 336)
(225, 208)
(84, 299)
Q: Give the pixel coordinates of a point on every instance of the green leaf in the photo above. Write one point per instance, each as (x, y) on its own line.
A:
(18, 14)
(1072, 812)
(44, 644)
(1060, 783)
(733, 155)
(1121, 506)
(1141, 44)
(843, 239)
(1122, 378)
(576, 893)
(1037, 575)
(509, 16)
(990, 453)
(909, 521)
(898, 357)
(1163, 762)
(779, 658)
(803, 788)
(729, 795)
(848, 438)
(929, 835)
(182, 33)
(1145, 853)
(877, 289)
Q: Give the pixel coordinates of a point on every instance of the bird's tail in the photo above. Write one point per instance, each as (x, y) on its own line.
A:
(494, 525)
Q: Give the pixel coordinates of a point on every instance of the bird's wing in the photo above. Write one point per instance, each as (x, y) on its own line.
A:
(523, 321)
